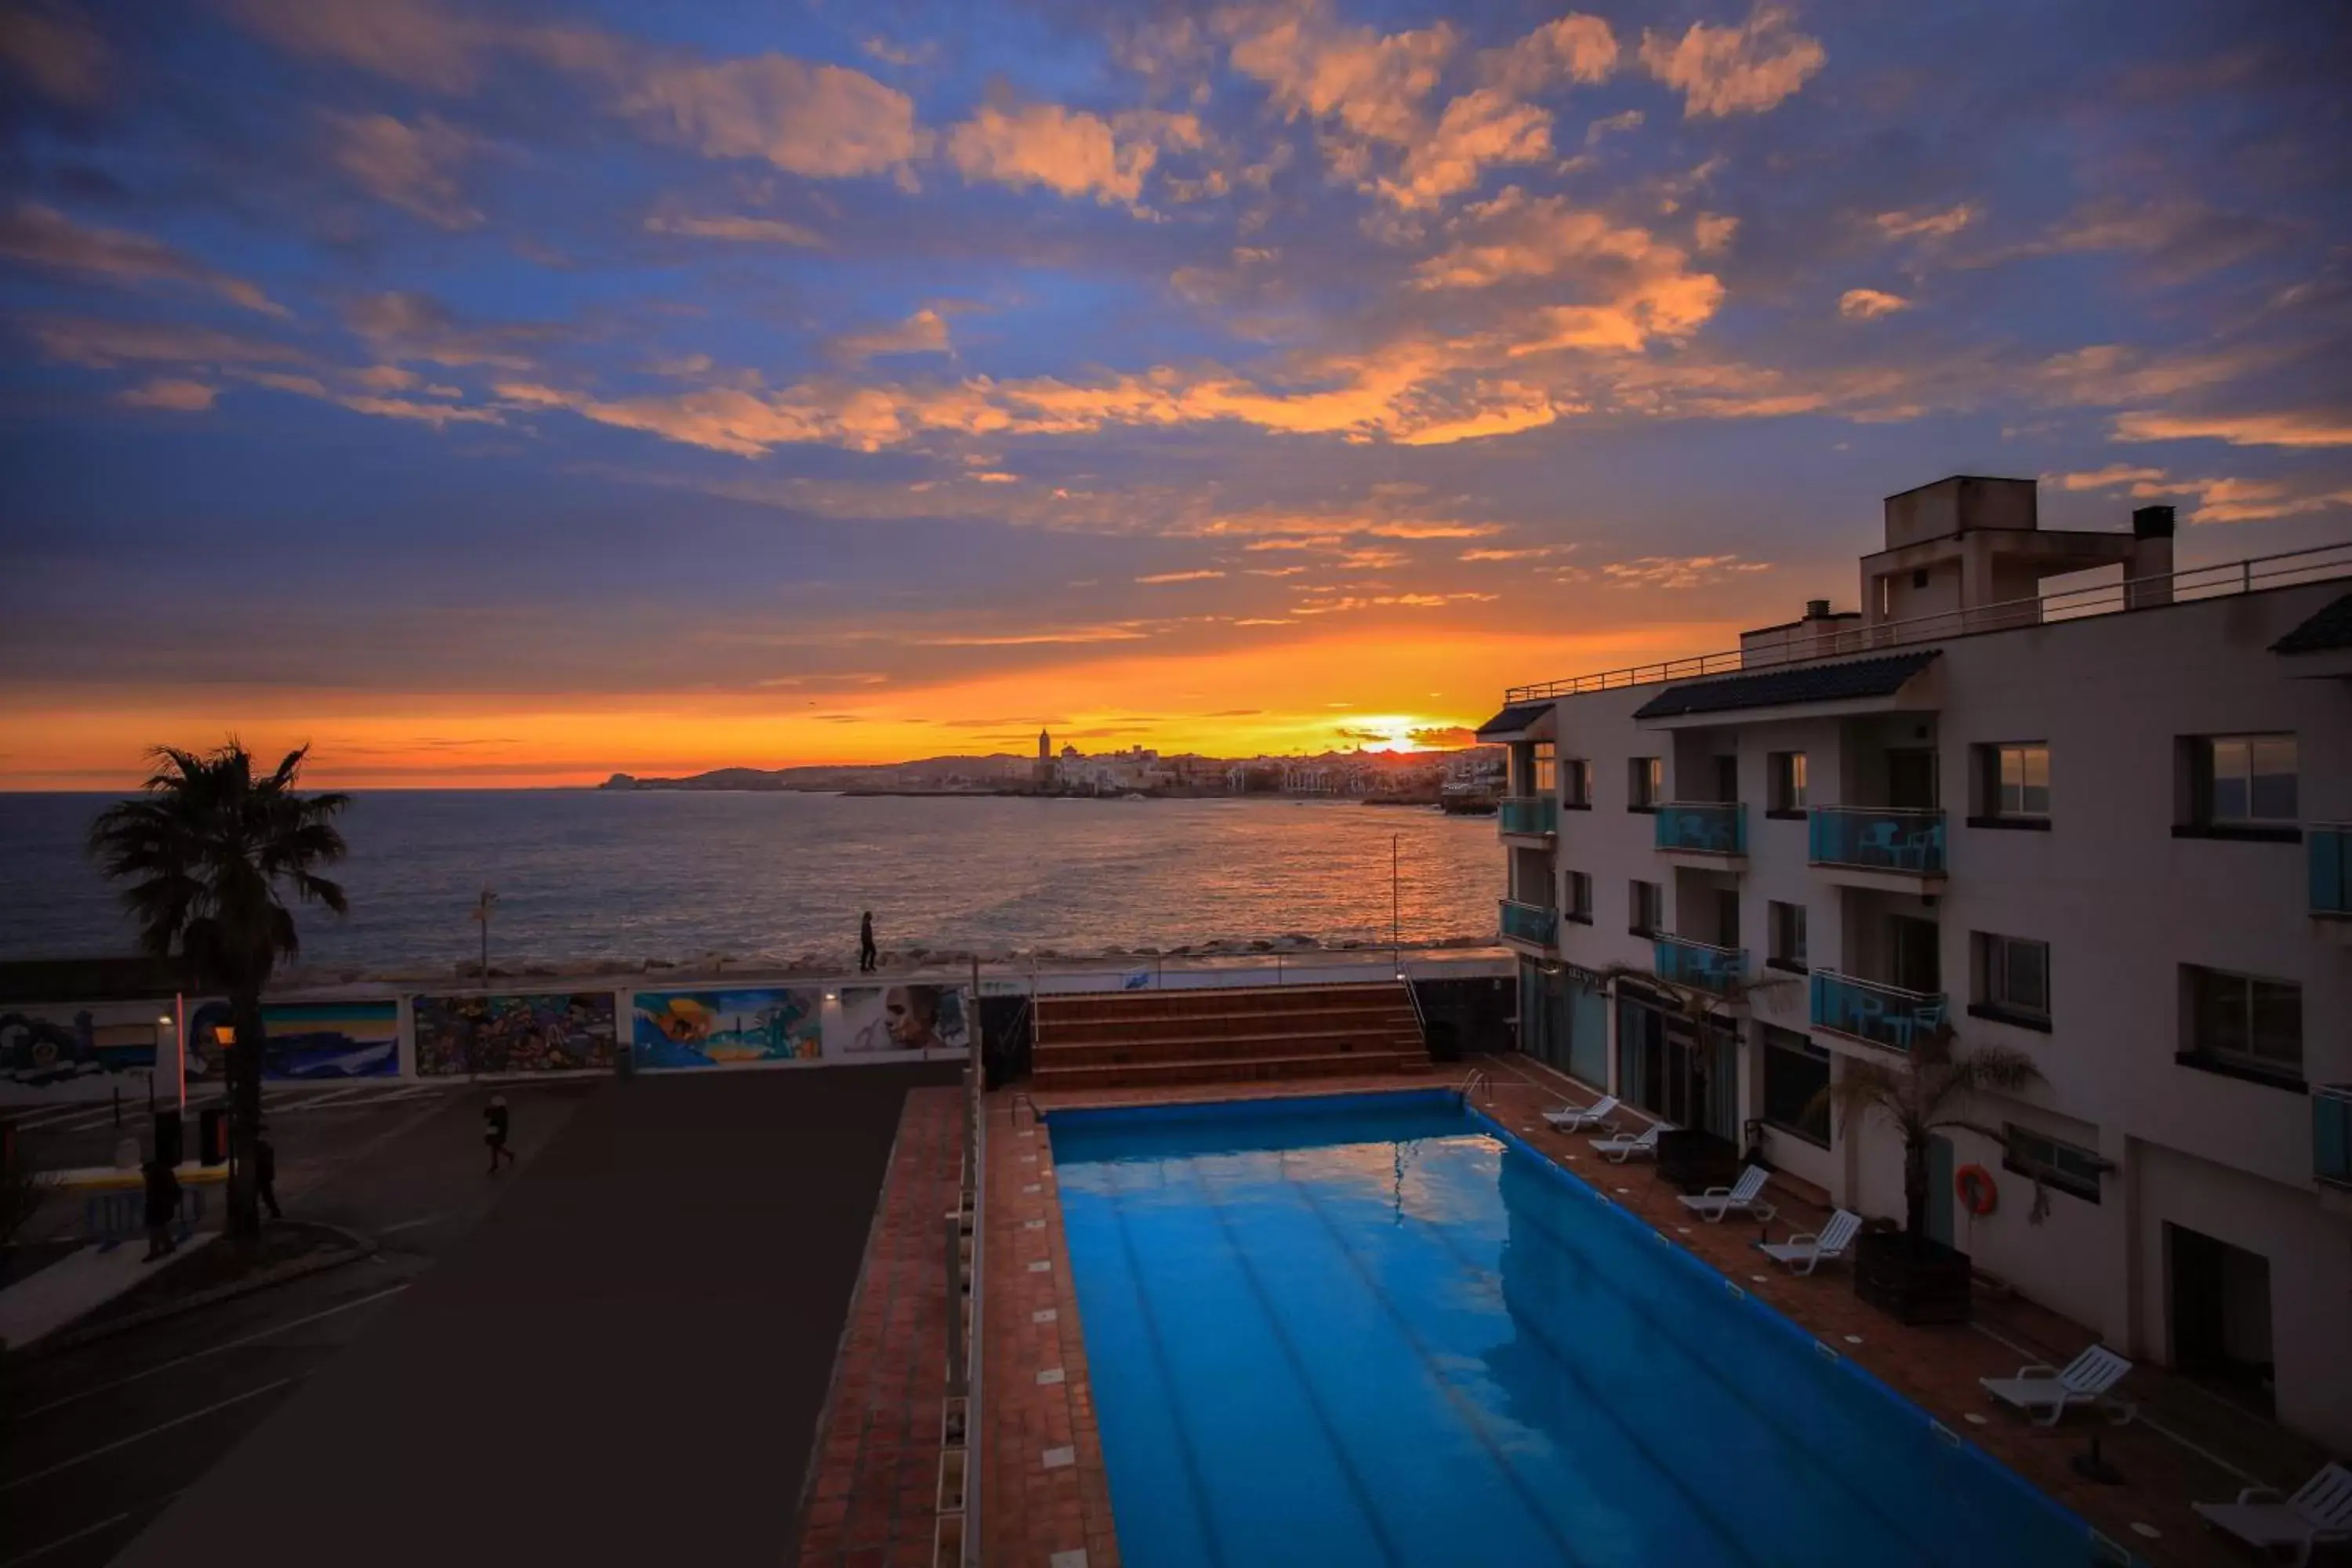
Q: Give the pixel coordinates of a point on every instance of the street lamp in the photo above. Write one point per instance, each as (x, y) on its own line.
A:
(482, 907)
(1396, 916)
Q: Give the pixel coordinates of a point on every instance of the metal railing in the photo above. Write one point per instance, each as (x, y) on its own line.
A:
(1707, 827)
(2331, 1133)
(1866, 1010)
(2327, 846)
(963, 1423)
(2316, 565)
(1699, 963)
(1530, 923)
(1527, 813)
(1876, 838)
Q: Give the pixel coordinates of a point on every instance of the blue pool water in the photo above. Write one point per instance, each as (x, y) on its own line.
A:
(1370, 1329)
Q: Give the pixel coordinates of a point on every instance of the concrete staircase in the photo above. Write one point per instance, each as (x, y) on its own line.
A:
(1136, 1039)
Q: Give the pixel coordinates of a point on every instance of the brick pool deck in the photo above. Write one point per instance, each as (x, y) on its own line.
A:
(1045, 1495)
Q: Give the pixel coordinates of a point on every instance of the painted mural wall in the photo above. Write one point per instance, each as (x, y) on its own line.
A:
(304, 1041)
(875, 1019)
(67, 1052)
(730, 1027)
(551, 1032)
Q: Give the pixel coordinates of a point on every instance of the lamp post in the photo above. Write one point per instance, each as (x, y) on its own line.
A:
(1396, 907)
(482, 907)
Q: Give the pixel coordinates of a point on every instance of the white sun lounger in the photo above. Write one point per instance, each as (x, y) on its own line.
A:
(1568, 1119)
(2044, 1391)
(1808, 1250)
(1746, 1197)
(2318, 1515)
(1622, 1148)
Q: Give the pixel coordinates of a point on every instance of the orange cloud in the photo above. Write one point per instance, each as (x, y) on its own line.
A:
(1869, 304)
(1744, 70)
(924, 333)
(2285, 429)
(43, 236)
(1069, 152)
(1928, 225)
(407, 166)
(178, 396)
(735, 226)
(823, 122)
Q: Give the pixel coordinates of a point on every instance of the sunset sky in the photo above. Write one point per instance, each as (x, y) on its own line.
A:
(511, 393)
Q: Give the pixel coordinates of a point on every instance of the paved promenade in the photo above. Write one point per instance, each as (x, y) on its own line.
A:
(624, 1362)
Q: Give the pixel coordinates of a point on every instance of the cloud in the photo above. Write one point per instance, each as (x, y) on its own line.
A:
(1532, 552)
(2297, 428)
(43, 236)
(821, 120)
(413, 326)
(1638, 285)
(1679, 571)
(1574, 47)
(924, 333)
(735, 226)
(1927, 224)
(905, 55)
(1443, 737)
(2107, 478)
(1124, 632)
(1069, 151)
(2229, 501)
(1869, 304)
(407, 165)
(1202, 576)
(1369, 83)
(60, 54)
(1711, 232)
(1631, 119)
(411, 41)
(1745, 69)
(101, 345)
(164, 392)
(1477, 129)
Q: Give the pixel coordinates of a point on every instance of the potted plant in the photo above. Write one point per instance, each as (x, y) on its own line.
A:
(1907, 1273)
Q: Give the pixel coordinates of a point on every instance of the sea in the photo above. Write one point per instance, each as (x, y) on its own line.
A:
(779, 880)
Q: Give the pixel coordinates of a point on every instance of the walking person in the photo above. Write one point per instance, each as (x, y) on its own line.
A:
(868, 956)
(494, 1131)
(162, 1207)
(265, 1174)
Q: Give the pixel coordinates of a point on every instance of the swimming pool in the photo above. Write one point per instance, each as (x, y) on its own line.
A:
(1377, 1329)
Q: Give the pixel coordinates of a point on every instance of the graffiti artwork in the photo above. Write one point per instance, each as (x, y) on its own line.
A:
(876, 1018)
(552, 1033)
(59, 1048)
(706, 1028)
(304, 1040)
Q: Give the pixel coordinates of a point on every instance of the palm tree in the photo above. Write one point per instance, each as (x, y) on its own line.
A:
(1927, 1092)
(207, 853)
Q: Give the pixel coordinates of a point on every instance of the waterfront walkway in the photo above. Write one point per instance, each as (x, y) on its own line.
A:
(627, 1362)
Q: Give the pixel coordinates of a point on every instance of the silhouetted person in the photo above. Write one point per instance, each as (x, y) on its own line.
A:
(868, 956)
(163, 1206)
(265, 1175)
(494, 1131)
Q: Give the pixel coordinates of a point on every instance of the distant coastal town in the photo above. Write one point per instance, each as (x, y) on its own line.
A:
(1469, 780)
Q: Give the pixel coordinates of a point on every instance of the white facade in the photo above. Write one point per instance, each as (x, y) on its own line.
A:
(2212, 1234)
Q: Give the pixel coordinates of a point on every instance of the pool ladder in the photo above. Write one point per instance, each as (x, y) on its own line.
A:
(1479, 1079)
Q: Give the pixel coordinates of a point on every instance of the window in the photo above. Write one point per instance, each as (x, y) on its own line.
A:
(1645, 782)
(2240, 1022)
(1579, 897)
(2244, 780)
(1786, 795)
(1577, 784)
(1647, 901)
(2013, 977)
(2020, 781)
(1546, 770)
(1795, 1071)
(1788, 936)
(2061, 1166)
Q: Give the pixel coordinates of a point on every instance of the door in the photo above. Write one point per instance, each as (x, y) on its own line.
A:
(1727, 917)
(1911, 779)
(2221, 1300)
(1726, 778)
(1918, 964)
(1940, 1167)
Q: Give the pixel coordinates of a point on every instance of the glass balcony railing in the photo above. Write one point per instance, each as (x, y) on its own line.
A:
(1697, 963)
(2328, 846)
(2331, 1134)
(1714, 827)
(1877, 839)
(1530, 923)
(1883, 1014)
(1528, 814)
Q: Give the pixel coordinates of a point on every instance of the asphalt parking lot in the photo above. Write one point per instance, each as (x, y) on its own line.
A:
(94, 1442)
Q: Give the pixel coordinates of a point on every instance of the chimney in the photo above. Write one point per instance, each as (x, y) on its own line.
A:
(1817, 609)
(2148, 572)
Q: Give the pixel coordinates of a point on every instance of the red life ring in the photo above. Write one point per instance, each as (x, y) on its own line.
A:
(1976, 1192)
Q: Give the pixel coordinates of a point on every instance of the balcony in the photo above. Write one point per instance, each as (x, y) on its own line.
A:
(2331, 1134)
(1698, 964)
(2327, 846)
(1878, 1015)
(1715, 830)
(1530, 925)
(1878, 846)
(1529, 815)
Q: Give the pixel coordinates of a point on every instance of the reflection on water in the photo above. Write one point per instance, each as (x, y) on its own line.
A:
(584, 875)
